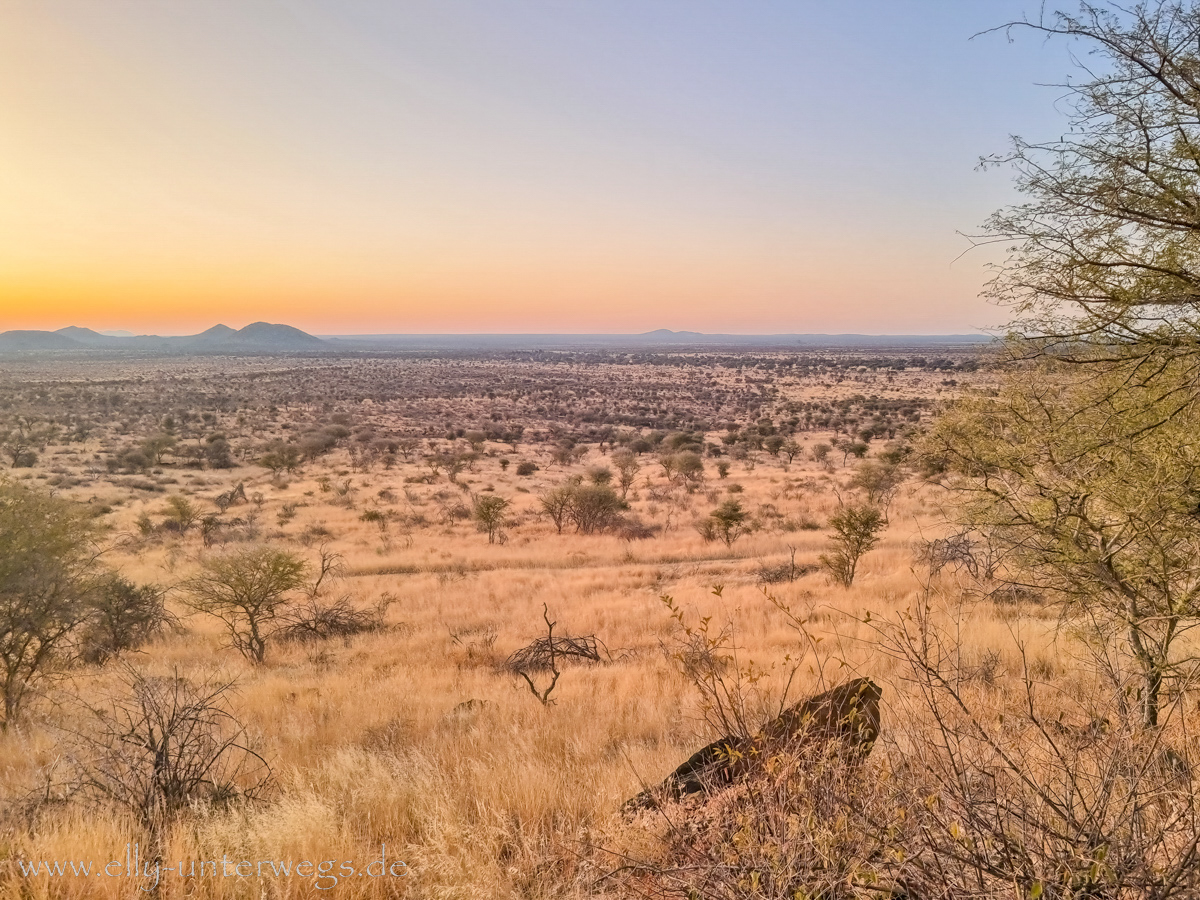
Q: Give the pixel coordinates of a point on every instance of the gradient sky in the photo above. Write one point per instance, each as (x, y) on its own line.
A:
(508, 166)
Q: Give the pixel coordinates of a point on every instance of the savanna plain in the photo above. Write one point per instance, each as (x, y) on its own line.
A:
(515, 590)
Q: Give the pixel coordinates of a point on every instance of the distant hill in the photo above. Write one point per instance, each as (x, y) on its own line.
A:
(83, 335)
(262, 334)
(264, 337)
(260, 337)
(216, 335)
(24, 341)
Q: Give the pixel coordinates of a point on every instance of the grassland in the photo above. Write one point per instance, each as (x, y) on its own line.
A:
(368, 736)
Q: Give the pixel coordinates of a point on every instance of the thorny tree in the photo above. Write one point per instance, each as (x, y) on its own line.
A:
(248, 590)
(1090, 492)
(49, 576)
(1088, 481)
(162, 744)
(1106, 248)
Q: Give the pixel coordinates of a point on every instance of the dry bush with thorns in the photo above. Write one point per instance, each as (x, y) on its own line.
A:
(161, 745)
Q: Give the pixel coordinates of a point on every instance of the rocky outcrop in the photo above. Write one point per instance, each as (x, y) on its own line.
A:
(844, 719)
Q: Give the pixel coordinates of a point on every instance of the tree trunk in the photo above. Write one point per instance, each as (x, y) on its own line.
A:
(1153, 678)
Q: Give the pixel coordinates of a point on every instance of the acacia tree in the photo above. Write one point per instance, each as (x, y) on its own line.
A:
(856, 530)
(1088, 485)
(248, 590)
(556, 503)
(1106, 249)
(627, 466)
(880, 481)
(1086, 480)
(490, 514)
(49, 575)
(594, 507)
(727, 523)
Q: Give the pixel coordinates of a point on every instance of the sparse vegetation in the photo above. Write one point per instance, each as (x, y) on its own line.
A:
(409, 607)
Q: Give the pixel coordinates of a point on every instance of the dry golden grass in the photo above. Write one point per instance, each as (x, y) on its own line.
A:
(511, 800)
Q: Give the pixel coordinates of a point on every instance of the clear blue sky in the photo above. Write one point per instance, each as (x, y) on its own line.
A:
(495, 165)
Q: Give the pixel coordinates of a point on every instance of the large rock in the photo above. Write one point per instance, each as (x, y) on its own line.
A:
(847, 715)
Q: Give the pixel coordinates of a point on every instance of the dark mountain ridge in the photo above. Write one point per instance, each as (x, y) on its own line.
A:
(264, 337)
(258, 337)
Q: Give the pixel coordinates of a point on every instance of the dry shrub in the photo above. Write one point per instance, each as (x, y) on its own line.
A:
(794, 829)
(785, 571)
(1058, 791)
(160, 746)
(315, 620)
(477, 642)
(984, 784)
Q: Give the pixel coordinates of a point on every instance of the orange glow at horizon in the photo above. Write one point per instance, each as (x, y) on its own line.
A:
(167, 167)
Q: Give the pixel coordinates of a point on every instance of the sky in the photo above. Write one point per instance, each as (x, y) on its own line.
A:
(614, 166)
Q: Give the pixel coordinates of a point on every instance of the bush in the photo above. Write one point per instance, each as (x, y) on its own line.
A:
(313, 620)
(490, 515)
(124, 617)
(160, 746)
(726, 523)
(49, 579)
(248, 591)
(856, 531)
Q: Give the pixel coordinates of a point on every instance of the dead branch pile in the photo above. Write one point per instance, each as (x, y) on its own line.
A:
(539, 655)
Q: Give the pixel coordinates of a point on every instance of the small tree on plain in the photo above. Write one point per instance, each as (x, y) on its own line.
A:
(880, 482)
(728, 522)
(856, 531)
(556, 503)
(281, 457)
(123, 617)
(490, 514)
(594, 507)
(627, 466)
(182, 513)
(689, 467)
(248, 590)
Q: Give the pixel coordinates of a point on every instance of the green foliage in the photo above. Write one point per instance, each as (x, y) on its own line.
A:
(856, 530)
(156, 447)
(879, 481)
(22, 442)
(1087, 484)
(595, 507)
(376, 517)
(49, 577)
(627, 466)
(281, 457)
(181, 513)
(248, 590)
(491, 515)
(726, 523)
(123, 617)
(599, 474)
(590, 507)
